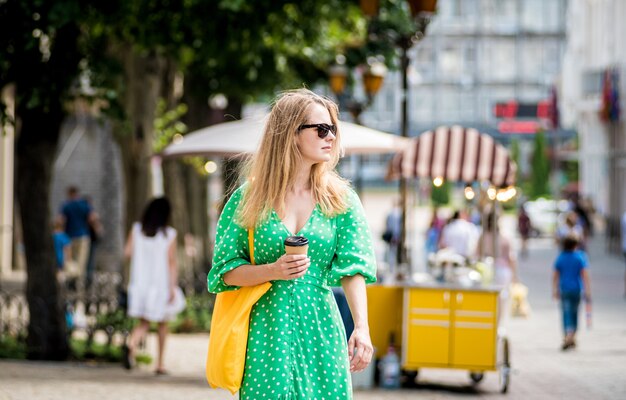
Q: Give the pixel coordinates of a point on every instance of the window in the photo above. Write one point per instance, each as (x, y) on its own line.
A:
(540, 60)
(421, 105)
(450, 62)
(423, 63)
(542, 15)
(448, 106)
(499, 15)
(497, 62)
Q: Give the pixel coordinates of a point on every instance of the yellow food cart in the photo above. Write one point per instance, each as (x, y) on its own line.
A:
(441, 326)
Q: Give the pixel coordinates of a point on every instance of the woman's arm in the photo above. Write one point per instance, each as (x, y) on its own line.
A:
(587, 284)
(555, 285)
(172, 263)
(511, 258)
(360, 347)
(128, 249)
(285, 268)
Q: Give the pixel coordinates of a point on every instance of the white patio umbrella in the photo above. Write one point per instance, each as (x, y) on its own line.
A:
(243, 137)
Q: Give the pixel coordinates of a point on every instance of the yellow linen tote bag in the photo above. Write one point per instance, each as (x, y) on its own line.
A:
(229, 332)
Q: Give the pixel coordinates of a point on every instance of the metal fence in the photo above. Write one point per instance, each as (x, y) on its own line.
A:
(98, 313)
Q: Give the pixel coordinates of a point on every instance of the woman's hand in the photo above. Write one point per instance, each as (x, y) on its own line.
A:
(290, 266)
(360, 349)
(172, 295)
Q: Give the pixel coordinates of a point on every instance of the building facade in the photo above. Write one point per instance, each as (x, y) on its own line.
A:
(475, 54)
(596, 51)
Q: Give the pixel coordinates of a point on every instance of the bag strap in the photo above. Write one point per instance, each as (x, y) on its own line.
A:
(251, 245)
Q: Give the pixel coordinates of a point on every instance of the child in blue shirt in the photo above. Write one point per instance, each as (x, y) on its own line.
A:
(61, 245)
(568, 281)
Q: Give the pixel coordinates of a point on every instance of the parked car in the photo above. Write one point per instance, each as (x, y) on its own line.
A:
(544, 215)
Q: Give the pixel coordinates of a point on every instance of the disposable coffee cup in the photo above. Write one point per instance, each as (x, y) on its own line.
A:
(296, 245)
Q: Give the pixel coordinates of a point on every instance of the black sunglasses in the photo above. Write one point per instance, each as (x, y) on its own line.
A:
(322, 129)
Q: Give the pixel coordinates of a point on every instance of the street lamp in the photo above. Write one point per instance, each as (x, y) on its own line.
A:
(373, 77)
(420, 11)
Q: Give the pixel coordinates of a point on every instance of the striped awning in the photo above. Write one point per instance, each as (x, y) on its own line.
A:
(455, 154)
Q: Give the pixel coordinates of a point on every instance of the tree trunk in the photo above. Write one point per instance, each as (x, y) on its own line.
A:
(174, 187)
(197, 117)
(199, 213)
(36, 145)
(143, 79)
(231, 167)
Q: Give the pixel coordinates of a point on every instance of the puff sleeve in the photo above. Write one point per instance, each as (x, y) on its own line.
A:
(231, 246)
(354, 253)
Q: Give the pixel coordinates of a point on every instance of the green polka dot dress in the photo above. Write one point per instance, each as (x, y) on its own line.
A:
(297, 347)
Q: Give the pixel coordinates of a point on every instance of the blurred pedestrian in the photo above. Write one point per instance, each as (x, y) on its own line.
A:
(570, 226)
(433, 233)
(95, 233)
(524, 227)
(623, 226)
(583, 214)
(391, 236)
(492, 243)
(62, 248)
(296, 342)
(77, 216)
(569, 279)
(459, 235)
(151, 248)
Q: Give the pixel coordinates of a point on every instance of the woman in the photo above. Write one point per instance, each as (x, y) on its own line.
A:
(297, 344)
(524, 228)
(493, 244)
(151, 246)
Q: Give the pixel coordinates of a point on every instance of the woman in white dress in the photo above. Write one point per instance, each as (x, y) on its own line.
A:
(151, 247)
(492, 243)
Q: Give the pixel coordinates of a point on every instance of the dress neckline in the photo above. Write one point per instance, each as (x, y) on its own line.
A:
(282, 224)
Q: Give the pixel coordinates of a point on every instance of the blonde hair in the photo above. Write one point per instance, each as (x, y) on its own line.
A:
(271, 173)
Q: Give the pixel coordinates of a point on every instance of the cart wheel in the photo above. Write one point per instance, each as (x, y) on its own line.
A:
(409, 378)
(476, 377)
(504, 371)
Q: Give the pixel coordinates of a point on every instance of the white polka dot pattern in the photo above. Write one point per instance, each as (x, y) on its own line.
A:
(297, 344)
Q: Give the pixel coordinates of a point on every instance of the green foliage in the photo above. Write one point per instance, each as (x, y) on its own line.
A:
(521, 181)
(570, 170)
(12, 348)
(167, 124)
(392, 26)
(440, 196)
(197, 315)
(40, 51)
(117, 320)
(82, 350)
(515, 156)
(540, 177)
(265, 45)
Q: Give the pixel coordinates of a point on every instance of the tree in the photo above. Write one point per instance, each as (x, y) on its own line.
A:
(540, 178)
(40, 55)
(130, 51)
(440, 195)
(520, 178)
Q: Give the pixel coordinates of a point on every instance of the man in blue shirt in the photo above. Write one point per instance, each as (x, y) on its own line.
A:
(77, 216)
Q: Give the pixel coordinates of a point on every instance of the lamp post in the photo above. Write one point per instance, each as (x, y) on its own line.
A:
(421, 12)
(372, 78)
